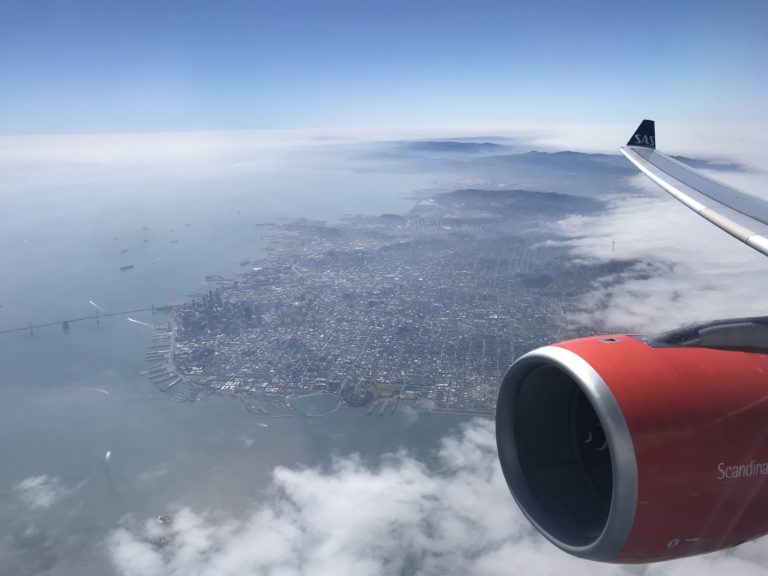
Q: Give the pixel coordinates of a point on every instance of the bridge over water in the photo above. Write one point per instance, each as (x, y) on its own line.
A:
(97, 317)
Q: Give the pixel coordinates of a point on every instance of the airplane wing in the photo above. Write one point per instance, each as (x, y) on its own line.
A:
(741, 215)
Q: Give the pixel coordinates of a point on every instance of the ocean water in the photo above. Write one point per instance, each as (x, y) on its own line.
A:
(68, 397)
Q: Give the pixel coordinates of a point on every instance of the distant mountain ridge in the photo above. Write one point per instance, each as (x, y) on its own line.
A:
(456, 146)
(523, 200)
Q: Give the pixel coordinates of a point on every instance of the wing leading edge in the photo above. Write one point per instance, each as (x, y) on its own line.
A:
(741, 215)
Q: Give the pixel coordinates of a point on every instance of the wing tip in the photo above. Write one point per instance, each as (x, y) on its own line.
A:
(644, 136)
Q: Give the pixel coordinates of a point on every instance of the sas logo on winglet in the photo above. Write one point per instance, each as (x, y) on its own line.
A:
(725, 472)
(645, 135)
(644, 140)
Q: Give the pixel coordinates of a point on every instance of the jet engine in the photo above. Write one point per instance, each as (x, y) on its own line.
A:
(631, 449)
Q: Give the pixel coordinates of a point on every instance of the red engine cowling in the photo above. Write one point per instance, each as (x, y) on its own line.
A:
(624, 449)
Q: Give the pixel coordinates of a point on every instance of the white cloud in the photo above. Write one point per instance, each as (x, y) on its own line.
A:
(41, 492)
(396, 517)
(43, 161)
(687, 270)
(59, 159)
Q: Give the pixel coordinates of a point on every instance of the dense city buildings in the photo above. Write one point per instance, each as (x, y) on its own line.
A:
(431, 306)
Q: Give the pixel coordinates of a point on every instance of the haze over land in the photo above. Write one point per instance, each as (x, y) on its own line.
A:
(237, 490)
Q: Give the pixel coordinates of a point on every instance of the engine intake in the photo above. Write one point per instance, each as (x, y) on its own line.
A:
(558, 428)
(634, 449)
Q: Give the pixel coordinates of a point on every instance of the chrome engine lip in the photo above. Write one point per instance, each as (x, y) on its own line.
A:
(621, 516)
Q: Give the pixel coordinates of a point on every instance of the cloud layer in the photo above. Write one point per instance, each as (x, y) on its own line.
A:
(396, 517)
(41, 492)
(685, 269)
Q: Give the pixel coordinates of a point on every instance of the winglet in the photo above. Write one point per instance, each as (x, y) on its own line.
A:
(644, 136)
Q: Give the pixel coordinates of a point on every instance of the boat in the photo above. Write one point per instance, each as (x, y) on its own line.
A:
(127, 267)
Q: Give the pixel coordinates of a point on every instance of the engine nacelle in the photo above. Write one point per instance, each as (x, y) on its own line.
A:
(629, 449)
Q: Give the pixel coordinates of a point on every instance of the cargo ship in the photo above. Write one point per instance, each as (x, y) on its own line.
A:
(128, 267)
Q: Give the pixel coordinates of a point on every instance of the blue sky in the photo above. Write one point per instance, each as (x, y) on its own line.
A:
(102, 66)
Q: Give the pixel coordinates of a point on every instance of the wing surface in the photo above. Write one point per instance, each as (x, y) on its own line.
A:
(741, 215)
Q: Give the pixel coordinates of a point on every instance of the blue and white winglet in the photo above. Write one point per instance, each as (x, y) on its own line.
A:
(741, 215)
